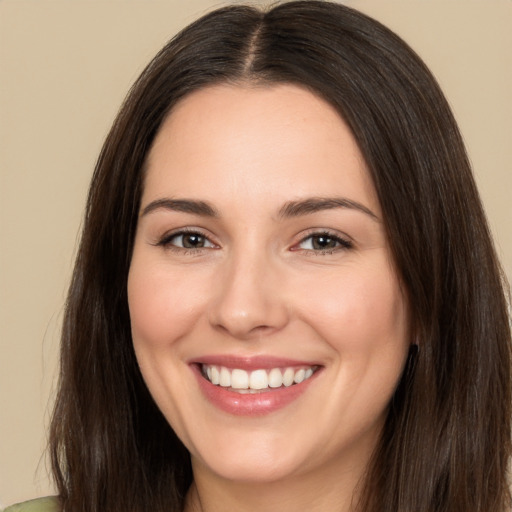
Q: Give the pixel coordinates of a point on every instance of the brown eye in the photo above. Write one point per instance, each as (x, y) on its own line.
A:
(324, 243)
(187, 240)
(193, 241)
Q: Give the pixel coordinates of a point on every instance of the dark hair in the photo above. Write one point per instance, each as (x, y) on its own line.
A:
(446, 443)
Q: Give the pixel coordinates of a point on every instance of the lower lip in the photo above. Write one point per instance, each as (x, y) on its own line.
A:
(250, 404)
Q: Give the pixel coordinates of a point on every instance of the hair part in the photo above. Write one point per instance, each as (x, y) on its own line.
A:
(446, 442)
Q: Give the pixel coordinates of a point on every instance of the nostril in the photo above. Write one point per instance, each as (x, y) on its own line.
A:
(245, 332)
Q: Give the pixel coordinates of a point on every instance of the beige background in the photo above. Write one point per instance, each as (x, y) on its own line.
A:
(64, 69)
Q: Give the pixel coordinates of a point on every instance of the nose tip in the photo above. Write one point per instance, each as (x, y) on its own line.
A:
(242, 326)
(249, 303)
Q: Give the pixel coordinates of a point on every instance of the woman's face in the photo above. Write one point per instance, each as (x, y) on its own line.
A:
(267, 318)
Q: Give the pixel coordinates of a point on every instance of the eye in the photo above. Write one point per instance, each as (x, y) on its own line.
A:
(190, 240)
(324, 243)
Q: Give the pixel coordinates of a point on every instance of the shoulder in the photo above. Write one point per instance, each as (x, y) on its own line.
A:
(39, 505)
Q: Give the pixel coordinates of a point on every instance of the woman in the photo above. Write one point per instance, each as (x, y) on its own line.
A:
(286, 293)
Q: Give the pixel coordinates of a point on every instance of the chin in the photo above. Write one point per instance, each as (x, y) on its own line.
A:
(251, 469)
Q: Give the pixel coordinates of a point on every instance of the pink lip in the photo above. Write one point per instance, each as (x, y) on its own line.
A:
(257, 404)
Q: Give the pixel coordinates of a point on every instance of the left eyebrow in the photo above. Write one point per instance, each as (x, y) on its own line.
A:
(316, 204)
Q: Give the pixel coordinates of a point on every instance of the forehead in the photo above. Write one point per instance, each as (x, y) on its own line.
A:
(235, 139)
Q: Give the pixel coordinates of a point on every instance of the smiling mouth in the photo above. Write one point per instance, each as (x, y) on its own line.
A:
(256, 381)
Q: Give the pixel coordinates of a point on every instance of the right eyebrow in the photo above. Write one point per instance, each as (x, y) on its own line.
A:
(181, 205)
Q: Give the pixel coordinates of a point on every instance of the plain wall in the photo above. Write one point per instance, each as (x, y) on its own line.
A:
(65, 67)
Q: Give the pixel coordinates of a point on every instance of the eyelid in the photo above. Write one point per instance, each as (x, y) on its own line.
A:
(344, 241)
(165, 240)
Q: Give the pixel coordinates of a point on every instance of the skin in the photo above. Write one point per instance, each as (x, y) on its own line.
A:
(262, 284)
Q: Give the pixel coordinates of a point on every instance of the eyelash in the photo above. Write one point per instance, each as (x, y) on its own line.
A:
(341, 243)
(166, 241)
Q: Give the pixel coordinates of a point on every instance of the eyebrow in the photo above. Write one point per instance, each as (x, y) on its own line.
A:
(290, 209)
(316, 204)
(181, 205)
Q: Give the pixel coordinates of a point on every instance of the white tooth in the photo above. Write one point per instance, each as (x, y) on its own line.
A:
(258, 379)
(239, 379)
(299, 376)
(225, 377)
(288, 376)
(215, 378)
(309, 372)
(275, 378)
(209, 373)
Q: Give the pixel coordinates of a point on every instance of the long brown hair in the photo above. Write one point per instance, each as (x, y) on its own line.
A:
(446, 443)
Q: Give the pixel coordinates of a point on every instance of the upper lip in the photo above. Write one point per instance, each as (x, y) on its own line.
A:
(251, 362)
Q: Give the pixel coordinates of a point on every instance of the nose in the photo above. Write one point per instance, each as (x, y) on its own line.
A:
(250, 300)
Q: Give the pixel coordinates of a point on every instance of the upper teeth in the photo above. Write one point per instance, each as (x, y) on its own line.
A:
(257, 379)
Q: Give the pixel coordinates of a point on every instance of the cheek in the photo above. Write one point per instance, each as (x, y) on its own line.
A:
(359, 311)
(365, 322)
(162, 306)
